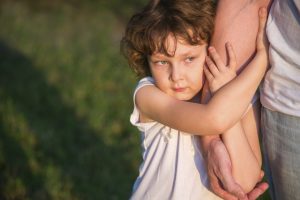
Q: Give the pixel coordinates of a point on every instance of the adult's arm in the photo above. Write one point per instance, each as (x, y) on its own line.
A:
(236, 21)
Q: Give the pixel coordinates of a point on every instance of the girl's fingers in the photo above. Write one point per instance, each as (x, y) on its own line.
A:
(231, 56)
(208, 74)
(216, 58)
(261, 40)
(211, 66)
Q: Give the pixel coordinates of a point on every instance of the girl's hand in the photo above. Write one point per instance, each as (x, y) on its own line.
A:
(217, 74)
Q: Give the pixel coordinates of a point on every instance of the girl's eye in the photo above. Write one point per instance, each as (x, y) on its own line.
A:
(189, 59)
(162, 62)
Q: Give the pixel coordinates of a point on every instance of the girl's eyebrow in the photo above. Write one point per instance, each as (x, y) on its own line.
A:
(158, 56)
(189, 53)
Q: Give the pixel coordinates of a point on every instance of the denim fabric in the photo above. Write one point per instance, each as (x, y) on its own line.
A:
(281, 146)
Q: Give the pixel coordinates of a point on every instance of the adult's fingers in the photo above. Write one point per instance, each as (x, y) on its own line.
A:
(258, 190)
(216, 187)
(231, 186)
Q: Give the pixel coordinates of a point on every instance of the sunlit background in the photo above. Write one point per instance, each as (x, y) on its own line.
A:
(65, 100)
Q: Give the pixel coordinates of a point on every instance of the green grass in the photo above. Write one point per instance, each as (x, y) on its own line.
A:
(66, 97)
(65, 101)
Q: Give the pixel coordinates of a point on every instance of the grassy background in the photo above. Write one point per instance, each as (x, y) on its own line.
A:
(65, 100)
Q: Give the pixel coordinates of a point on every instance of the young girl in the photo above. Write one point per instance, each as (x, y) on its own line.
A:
(166, 44)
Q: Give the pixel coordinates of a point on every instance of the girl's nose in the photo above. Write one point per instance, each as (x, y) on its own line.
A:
(177, 73)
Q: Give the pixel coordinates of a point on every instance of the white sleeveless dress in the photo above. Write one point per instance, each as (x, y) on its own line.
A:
(173, 166)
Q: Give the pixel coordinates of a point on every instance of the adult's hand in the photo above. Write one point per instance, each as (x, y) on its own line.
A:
(219, 172)
(221, 180)
(259, 189)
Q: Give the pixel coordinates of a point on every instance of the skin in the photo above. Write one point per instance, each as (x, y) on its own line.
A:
(244, 157)
(232, 28)
(179, 80)
(180, 77)
(183, 115)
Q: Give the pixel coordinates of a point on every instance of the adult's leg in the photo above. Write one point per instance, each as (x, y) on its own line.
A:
(281, 145)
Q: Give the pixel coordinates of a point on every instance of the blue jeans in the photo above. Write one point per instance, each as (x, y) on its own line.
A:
(281, 146)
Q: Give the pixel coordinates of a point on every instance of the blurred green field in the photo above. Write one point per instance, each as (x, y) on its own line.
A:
(65, 101)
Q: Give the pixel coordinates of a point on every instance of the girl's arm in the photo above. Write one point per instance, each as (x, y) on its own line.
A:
(244, 152)
(216, 116)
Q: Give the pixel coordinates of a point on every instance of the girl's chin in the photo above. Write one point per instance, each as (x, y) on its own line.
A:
(184, 97)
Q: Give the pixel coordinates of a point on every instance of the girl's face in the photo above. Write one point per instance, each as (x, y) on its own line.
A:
(181, 75)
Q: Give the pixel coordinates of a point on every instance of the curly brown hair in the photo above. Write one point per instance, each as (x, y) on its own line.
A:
(147, 31)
